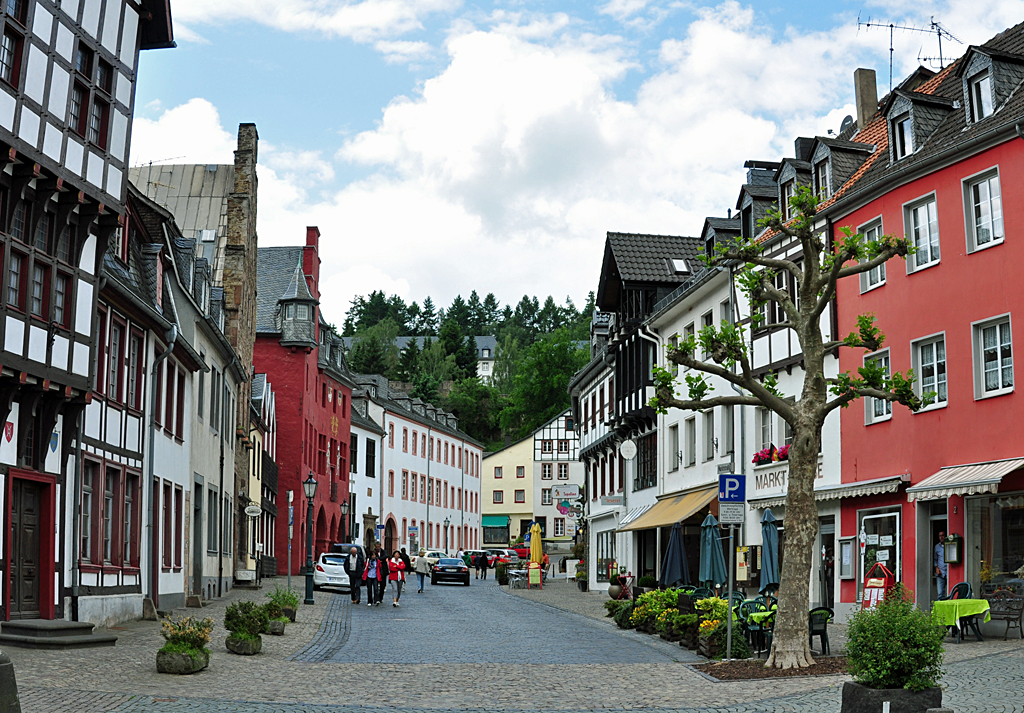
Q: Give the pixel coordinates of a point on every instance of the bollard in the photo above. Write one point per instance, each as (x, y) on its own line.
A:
(9, 702)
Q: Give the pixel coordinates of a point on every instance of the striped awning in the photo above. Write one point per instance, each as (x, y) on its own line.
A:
(972, 479)
(889, 484)
(671, 509)
(633, 513)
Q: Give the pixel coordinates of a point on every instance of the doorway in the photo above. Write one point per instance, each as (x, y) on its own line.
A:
(26, 526)
(937, 522)
(827, 561)
(197, 540)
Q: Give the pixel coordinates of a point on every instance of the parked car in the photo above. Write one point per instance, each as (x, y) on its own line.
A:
(505, 556)
(522, 550)
(492, 559)
(432, 556)
(329, 571)
(450, 569)
(344, 549)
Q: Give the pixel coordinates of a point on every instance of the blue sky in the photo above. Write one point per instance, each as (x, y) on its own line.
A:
(445, 146)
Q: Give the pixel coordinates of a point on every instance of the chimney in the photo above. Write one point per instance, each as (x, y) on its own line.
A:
(802, 146)
(312, 236)
(866, 90)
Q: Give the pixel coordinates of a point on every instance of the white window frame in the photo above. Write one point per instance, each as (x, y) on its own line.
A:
(970, 227)
(690, 435)
(545, 496)
(977, 90)
(870, 417)
(559, 527)
(977, 336)
(764, 427)
(823, 177)
(918, 365)
(788, 190)
(515, 496)
(708, 427)
(913, 264)
(497, 497)
(902, 128)
(879, 272)
(673, 448)
(563, 471)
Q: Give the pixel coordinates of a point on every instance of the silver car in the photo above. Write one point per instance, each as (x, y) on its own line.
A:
(330, 572)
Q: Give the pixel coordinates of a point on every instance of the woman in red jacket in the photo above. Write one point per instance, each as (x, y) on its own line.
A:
(396, 573)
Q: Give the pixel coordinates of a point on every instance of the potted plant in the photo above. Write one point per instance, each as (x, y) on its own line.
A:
(647, 583)
(275, 619)
(286, 599)
(501, 572)
(246, 621)
(581, 580)
(894, 653)
(686, 626)
(615, 583)
(185, 650)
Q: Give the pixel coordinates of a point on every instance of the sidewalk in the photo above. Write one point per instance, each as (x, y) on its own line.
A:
(565, 595)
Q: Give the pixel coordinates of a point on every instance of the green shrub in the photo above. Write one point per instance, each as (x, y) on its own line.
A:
(650, 606)
(895, 645)
(186, 632)
(648, 582)
(740, 647)
(623, 617)
(245, 620)
(283, 597)
(273, 609)
(712, 608)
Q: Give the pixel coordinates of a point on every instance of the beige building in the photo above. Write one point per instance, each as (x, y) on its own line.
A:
(507, 493)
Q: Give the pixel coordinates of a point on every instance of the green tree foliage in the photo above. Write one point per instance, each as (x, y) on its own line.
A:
(374, 350)
(506, 363)
(366, 312)
(433, 368)
(407, 361)
(540, 389)
(477, 407)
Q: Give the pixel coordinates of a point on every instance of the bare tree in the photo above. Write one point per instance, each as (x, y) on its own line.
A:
(816, 273)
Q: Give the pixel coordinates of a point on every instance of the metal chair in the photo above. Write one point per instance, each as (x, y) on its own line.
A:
(819, 619)
(959, 591)
(736, 599)
(773, 601)
(753, 631)
(700, 593)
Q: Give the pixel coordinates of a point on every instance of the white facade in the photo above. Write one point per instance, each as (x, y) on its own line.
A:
(556, 463)
(364, 474)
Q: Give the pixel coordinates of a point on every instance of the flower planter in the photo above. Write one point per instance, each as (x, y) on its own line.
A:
(289, 612)
(614, 591)
(709, 648)
(647, 628)
(582, 584)
(276, 628)
(244, 647)
(178, 663)
(861, 699)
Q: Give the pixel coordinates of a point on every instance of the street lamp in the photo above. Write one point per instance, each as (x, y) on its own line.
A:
(309, 487)
(344, 521)
(447, 522)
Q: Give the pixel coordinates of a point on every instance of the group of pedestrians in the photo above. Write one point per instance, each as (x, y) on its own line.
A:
(478, 562)
(375, 572)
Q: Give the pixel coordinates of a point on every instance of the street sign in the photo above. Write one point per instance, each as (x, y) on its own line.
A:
(612, 500)
(291, 513)
(253, 510)
(731, 513)
(565, 492)
(380, 528)
(732, 488)
(413, 530)
(627, 449)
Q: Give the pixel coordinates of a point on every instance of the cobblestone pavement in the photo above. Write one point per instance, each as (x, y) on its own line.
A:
(435, 655)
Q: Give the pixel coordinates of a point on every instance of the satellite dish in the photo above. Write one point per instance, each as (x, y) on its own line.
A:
(846, 123)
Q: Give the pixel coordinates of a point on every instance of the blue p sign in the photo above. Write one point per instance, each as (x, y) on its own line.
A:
(732, 488)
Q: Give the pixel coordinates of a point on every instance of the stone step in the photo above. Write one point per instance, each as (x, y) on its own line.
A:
(52, 634)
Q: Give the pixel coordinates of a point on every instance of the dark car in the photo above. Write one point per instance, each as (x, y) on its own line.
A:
(450, 569)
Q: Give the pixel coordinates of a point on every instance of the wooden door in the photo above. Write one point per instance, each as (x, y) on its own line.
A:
(26, 512)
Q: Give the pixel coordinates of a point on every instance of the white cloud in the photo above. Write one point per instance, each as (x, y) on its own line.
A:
(505, 170)
(621, 9)
(402, 51)
(363, 21)
(190, 133)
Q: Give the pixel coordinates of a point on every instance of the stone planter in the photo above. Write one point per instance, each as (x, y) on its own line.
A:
(177, 663)
(244, 647)
(861, 699)
(289, 612)
(276, 628)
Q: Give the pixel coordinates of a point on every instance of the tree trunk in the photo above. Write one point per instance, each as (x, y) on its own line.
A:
(790, 644)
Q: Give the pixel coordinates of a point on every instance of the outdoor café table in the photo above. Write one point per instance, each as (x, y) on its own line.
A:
(515, 579)
(759, 617)
(949, 612)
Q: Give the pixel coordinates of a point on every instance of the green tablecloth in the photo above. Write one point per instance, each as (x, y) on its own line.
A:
(760, 616)
(950, 611)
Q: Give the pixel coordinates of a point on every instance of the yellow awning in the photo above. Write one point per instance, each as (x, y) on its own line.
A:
(671, 510)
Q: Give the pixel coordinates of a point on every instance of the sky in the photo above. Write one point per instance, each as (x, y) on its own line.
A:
(445, 146)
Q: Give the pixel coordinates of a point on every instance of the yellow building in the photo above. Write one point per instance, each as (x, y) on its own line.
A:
(507, 493)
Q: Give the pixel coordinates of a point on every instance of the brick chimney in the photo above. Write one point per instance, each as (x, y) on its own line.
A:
(313, 237)
(866, 90)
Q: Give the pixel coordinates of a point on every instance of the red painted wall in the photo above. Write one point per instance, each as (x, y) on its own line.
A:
(302, 417)
(963, 288)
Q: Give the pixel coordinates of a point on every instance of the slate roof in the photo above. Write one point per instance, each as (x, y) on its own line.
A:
(195, 193)
(361, 421)
(482, 342)
(841, 145)
(259, 385)
(722, 225)
(646, 258)
(384, 397)
(275, 270)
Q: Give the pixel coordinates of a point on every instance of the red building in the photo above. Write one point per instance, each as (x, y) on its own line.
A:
(302, 357)
(947, 164)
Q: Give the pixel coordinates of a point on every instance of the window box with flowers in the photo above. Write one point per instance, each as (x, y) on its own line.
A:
(769, 455)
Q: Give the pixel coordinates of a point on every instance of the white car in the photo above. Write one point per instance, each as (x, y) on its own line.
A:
(329, 571)
(432, 556)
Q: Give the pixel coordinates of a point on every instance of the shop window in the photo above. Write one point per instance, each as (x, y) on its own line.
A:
(605, 554)
(882, 543)
(994, 550)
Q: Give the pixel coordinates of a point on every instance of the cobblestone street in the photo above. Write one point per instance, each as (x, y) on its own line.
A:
(480, 648)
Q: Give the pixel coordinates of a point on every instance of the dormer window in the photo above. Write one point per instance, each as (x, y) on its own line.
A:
(680, 266)
(902, 137)
(823, 180)
(788, 191)
(981, 95)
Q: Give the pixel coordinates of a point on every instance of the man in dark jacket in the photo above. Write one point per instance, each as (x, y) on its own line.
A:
(483, 565)
(354, 564)
(385, 570)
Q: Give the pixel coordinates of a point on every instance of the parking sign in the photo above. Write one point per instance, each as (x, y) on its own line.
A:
(732, 488)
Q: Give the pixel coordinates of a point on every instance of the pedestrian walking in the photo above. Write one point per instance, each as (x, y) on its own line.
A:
(354, 565)
(422, 569)
(406, 560)
(468, 559)
(483, 565)
(385, 572)
(371, 573)
(396, 573)
(460, 554)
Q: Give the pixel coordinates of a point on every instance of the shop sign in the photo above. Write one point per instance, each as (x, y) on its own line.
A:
(612, 500)
(776, 479)
(565, 492)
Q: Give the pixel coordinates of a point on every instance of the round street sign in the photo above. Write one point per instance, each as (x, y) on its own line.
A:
(627, 449)
(253, 510)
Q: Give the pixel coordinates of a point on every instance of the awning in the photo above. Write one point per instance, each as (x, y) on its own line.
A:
(970, 479)
(889, 484)
(631, 514)
(671, 510)
(494, 521)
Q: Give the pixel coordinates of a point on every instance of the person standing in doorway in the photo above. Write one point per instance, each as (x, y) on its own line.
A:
(371, 573)
(422, 569)
(354, 565)
(941, 569)
(396, 573)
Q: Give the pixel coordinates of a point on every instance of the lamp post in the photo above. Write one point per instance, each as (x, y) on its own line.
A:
(309, 486)
(447, 522)
(344, 521)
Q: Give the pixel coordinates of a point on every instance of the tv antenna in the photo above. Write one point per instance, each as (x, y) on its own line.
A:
(934, 28)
